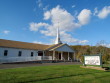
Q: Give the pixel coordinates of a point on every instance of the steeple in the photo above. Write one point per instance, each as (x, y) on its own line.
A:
(58, 41)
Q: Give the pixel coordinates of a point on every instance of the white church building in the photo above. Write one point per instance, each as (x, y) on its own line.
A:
(16, 51)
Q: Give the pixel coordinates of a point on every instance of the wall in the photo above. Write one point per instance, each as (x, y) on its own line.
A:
(64, 48)
(13, 55)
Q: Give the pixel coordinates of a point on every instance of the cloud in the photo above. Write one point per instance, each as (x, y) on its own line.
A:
(105, 45)
(40, 4)
(68, 38)
(36, 26)
(6, 31)
(63, 17)
(73, 6)
(45, 8)
(104, 12)
(83, 41)
(59, 15)
(84, 16)
(75, 13)
(95, 11)
(38, 42)
(47, 15)
(66, 22)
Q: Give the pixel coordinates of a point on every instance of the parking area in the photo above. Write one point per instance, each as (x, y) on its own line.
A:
(9, 66)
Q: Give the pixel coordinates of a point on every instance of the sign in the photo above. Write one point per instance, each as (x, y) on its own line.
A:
(92, 59)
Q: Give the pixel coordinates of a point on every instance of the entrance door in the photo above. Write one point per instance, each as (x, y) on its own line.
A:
(59, 56)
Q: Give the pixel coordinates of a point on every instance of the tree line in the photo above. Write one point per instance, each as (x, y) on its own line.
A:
(90, 50)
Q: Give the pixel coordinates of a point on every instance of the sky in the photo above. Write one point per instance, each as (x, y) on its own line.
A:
(81, 22)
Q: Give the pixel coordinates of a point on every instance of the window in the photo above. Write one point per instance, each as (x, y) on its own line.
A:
(5, 52)
(20, 53)
(40, 53)
(32, 53)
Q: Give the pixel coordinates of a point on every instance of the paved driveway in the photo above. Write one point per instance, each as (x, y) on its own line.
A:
(8, 66)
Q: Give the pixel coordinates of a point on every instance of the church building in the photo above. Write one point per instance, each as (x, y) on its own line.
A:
(16, 51)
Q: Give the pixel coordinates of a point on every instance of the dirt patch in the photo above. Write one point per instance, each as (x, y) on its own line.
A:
(97, 68)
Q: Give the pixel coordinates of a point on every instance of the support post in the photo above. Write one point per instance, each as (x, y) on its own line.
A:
(43, 57)
(68, 56)
(53, 55)
(61, 55)
(57, 55)
(74, 56)
(43, 53)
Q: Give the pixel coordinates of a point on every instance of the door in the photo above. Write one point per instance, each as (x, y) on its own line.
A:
(59, 56)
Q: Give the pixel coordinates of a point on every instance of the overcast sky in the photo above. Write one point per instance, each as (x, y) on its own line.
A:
(82, 22)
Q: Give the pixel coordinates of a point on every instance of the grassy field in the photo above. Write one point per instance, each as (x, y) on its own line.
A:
(54, 74)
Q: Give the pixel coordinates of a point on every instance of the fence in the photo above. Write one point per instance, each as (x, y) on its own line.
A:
(19, 59)
(24, 59)
(46, 57)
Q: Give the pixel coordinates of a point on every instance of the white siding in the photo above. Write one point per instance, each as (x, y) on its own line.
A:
(13, 52)
(12, 55)
(64, 48)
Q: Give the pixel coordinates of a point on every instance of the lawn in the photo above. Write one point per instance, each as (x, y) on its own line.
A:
(54, 74)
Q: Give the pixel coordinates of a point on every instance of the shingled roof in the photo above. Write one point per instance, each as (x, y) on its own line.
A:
(25, 45)
(52, 46)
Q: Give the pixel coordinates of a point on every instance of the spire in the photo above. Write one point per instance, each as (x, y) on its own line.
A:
(58, 41)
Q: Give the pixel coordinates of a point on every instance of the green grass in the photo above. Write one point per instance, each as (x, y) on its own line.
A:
(54, 74)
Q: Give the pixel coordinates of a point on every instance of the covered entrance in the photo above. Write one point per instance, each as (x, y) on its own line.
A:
(63, 52)
(64, 56)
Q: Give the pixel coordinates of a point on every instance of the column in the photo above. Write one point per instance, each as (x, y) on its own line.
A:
(53, 55)
(74, 56)
(58, 56)
(68, 55)
(61, 55)
(43, 53)
(43, 56)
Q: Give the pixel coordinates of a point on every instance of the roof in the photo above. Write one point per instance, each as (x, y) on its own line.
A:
(61, 45)
(25, 45)
(22, 45)
(53, 46)
(56, 47)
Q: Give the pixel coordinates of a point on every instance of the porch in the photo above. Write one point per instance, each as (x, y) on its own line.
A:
(59, 56)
